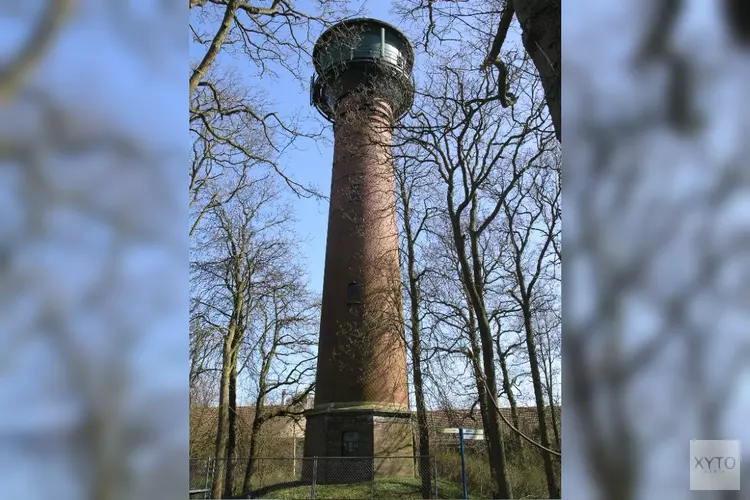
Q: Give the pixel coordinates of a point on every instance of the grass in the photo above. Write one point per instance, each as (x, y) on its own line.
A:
(386, 488)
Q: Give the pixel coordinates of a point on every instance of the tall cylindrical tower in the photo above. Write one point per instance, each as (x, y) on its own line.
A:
(363, 85)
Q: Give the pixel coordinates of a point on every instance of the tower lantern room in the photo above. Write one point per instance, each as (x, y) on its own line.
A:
(362, 54)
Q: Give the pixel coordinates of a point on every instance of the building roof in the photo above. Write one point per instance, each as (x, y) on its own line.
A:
(283, 426)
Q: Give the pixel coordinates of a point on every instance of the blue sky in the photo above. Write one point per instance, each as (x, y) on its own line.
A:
(309, 162)
(312, 163)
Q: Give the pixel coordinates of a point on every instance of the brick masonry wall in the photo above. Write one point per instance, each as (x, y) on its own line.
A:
(361, 353)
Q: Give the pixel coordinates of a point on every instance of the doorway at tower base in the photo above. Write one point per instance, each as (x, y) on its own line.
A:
(354, 445)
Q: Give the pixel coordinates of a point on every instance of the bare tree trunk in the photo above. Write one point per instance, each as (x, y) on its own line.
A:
(260, 401)
(540, 27)
(194, 362)
(485, 407)
(258, 420)
(213, 50)
(550, 397)
(229, 488)
(536, 379)
(546, 365)
(508, 390)
(472, 277)
(491, 422)
(228, 357)
(416, 350)
(524, 300)
(555, 424)
(222, 425)
(540, 24)
(495, 434)
(232, 433)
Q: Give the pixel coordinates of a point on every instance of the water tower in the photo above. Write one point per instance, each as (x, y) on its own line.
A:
(363, 85)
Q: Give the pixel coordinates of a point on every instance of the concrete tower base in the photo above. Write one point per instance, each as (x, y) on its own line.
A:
(384, 443)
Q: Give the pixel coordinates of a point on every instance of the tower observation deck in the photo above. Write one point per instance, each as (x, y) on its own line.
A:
(362, 54)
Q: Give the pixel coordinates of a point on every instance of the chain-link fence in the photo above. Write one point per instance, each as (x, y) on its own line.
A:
(284, 473)
(524, 464)
(524, 461)
(201, 477)
(321, 478)
(437, 476)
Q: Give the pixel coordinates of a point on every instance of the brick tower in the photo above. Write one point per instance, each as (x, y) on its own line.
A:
(363, 85)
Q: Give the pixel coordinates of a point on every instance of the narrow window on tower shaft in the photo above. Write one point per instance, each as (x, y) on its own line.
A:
(354, 293)
(355, 194)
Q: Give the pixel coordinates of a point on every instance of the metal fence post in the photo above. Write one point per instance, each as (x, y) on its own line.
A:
(463, 465)
(314, 477)
(210, 466)
(434, 467)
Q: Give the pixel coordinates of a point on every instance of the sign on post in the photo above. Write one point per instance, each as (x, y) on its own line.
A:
(463, 434)
(477, 434)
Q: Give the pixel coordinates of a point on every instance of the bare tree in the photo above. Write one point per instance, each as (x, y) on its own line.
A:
(529, 218)
(271, 40)
(539, 20)
(505, 350)
(412, 180)
(548, 330)
(232, 254)
(218, 171)
(282, 353)
(204, 345)
(461, 133)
